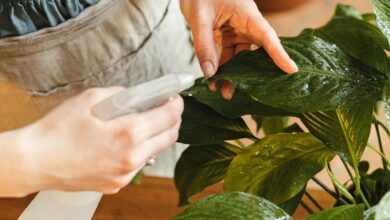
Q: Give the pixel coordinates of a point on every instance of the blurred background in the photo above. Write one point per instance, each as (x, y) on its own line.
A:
(156, 198)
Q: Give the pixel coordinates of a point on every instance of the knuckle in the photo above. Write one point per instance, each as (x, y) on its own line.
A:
(128, 164)
(132, 135)
(92, 93)
(127, 134)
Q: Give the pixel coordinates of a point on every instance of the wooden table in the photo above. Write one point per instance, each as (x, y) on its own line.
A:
(154, 199)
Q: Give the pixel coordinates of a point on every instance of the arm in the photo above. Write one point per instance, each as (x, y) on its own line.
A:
(17, 177)
(71, 150)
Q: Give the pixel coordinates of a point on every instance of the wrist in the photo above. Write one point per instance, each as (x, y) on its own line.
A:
(31, 169)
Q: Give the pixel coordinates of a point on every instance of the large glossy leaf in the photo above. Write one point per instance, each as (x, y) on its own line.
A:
(241, 104)
(278, 167)
(383, 208)
(203, 125)
(357, 37)
(387, 110)
(346, 212)
(202, 166)
(382, 11)
(387, 102)
(345, 131)
(328, 78)
(233, 205)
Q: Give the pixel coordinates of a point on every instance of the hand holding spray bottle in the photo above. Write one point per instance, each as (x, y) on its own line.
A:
(59, 205)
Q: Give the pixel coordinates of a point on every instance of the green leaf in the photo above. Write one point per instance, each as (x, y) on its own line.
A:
(374, 186)
(381, 178)
(363, 167)
(345, 212)
(382, 11)
(241, 104)
(328, 78)
(341, 188)
(386, 100)
(357, 38)
(383, 208)
(137, 180)
(369, 17)
(202, 166)
(387, 111)
(278, 167)
(233, 205)
(345, 131)
(203, 125)
(347, 11)
(291, 205)
(294, 128)
(273, 124)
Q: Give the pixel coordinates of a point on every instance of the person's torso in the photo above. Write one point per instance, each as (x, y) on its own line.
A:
(115, 42)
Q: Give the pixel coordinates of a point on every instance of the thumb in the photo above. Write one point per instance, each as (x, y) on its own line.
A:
(203, 33)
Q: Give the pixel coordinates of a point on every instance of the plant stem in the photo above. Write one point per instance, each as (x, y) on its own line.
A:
(384, 127)
(313, 201)
(306, 207)
(364, 199)
(380, 153)
(333, 194)
(380, 145)
(334, 186)
(348, 170)
(358, 190)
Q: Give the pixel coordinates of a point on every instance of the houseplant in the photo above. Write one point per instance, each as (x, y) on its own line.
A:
(344, 73)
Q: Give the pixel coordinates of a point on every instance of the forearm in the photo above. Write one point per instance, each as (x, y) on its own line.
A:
(20, 175)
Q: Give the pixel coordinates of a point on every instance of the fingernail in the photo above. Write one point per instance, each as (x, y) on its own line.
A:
(213, 86)
(231, 93)
(208, 69)
(295, 67)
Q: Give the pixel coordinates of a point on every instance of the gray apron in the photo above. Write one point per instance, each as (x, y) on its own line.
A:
(115, 42)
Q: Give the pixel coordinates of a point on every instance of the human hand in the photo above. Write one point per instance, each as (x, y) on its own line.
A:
(75, 151)
(222, 28)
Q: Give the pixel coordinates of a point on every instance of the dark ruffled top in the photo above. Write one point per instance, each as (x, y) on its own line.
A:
(20, 17)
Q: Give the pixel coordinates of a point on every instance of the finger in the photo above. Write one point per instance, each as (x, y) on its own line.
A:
(231, 40)
(263, 34)
(242, 47)
(203, 33)
(157, 143)
(227, 90)
(142, 126)
(213, 86)
(89, 98)
(226, 54)
(94, 95)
